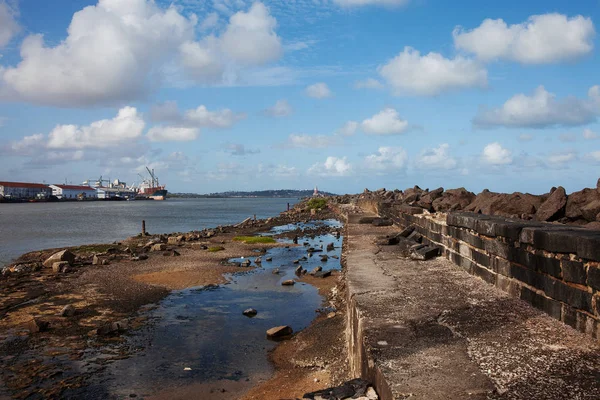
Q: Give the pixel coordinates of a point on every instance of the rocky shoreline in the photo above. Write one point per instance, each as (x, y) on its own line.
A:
(580, 208)
(66, 307)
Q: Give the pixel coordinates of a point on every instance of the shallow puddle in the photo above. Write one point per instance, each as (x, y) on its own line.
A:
(199, 336)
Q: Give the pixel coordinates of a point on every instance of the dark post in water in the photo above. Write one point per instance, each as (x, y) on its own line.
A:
(143, 227)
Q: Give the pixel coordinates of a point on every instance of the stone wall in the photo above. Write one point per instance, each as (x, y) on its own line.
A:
(556, 268)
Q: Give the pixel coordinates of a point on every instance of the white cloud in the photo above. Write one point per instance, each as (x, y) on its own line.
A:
(281, 109)
(308, 141)
(283, 171)
(333, 166)
(358, 3)
(436, 158)
(387, 159)
(213, 119)
(125, 127)
(172, 133)
(319, 91)
(567, 137)
(495, 154)
(29, 145)
(525, 137)
(431, 74)
(119, 51)
(541, 110)
(593, 157)
(348, 129)
(236, 149)
(588, 134)
(250, 38)
(210, 21)
(8, 23)
(110, 54)
(386, 122)
(199, 117)
(561, 158)
(541, 39)
(368, 83)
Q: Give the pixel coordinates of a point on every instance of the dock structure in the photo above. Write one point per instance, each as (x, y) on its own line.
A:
(445, 329)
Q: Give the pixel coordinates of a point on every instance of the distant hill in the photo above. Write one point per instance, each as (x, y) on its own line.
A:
(260, 193)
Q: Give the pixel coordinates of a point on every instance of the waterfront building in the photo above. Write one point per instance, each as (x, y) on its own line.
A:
(22, 190)
(73, 192)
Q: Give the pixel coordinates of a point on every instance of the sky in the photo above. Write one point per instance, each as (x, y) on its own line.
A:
(220, 95)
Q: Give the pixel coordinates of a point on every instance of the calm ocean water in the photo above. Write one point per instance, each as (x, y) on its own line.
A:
(35, 226)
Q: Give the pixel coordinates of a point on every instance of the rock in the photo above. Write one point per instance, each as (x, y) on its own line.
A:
(382, 222)
(591, 210)
(199, 246)
(64, 255)
(355, 389)
(171, 253)
(279, 331)
(405, 246)
(299, 270)
(112, 328)
(426, 200)
(554, 207)
(593, 225)
(425, 253)
(158, 247)
(246, 263)
(38, 325)
(576, 201)
(366, 220)
(412, 195)
(316, 269)
(296, 262)
(60, 266)
(289, 282)
(275, 271)
(104, 262)
(174, 240)
(269, 259)
(258, 260)
(372, 394)
(507, 205)
(323, 274)
(415, 237)
(250, 312)
(330, 247)
(68, 311)
(324, 258)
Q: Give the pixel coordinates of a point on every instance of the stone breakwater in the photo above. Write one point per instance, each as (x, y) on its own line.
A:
(552, 265)
(581, 208)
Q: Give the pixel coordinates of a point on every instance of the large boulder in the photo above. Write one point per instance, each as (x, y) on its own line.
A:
(64, 255)
(279, 331)
(453, 200)
(412, 195)
(507, 205)
(578, 201)
(427, 199)
(591, 210)
(554, 207)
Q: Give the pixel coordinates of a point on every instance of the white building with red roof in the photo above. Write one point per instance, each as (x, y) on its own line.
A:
(24, 190)
(73, 192)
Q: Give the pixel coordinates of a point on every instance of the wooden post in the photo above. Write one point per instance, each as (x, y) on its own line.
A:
(288, 207)
(255, 217)
(143, 227)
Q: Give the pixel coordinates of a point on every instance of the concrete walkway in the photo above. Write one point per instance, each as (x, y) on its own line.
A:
(428, 330)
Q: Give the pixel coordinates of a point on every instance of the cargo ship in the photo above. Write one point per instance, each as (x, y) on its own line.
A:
(150, 189)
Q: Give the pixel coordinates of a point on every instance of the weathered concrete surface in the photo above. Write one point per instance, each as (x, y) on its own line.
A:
(429, 330)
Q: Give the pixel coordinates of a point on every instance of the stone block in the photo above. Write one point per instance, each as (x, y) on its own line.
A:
(527, 234)
(425, 253)
(407, 231)
(501, 266)
(510, 229)
(508, 285)
(462, 219)
(498, 248)
(569, 316)
(485, 226)
(548, 265)
(415, 236)
(572, 296)
(484, 274)
(593, 277)
(480, 258)
(549, 306)
(556, 241)
(573, 271)
(382, 222)
(588, 246)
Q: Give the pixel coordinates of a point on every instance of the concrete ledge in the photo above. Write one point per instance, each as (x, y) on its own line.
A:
(430, 330)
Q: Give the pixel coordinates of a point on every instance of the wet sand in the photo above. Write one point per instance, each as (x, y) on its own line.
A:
(61, 361)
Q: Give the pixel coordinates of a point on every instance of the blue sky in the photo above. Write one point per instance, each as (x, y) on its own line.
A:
(344, 94)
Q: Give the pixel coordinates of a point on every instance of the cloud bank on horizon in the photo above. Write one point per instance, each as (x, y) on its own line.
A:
(343, 94)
